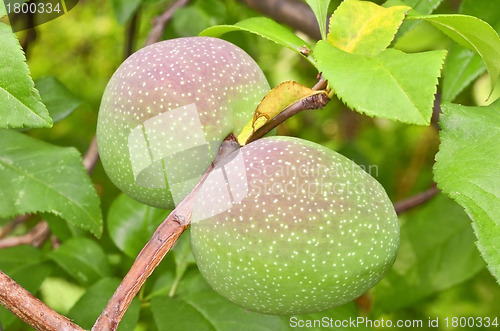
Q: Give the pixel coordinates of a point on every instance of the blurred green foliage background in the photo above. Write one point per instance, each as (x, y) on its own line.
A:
(85, 46)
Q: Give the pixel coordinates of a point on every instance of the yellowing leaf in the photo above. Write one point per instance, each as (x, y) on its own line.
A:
(362, 27)
(277, 100)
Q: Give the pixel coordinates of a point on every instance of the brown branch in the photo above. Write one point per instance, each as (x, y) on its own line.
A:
(416, 200)
(35, 237)
(8, 228)
(315, 101)
(160, 22)
(91, 156)
(294, 13)
(153, 252)
(31, 310)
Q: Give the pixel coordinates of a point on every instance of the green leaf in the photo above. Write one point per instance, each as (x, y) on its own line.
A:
(362, 27)
(320, 10)
(468, 167)
(124, 9)
(436, 252)
(183, 259)
(472, 33)
(391, 85)
(131, 223)
(57, 98)
(19, 262)
(208, 311)
(266, 28)
(83, 259)
(20, 104)
(92, 303)
(486, 10)
(461, 68)
(39, 177)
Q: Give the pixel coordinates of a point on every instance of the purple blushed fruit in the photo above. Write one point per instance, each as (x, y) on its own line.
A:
(310, 230)
(166, 110)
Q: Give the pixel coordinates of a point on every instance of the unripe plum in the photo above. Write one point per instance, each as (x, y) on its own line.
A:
(309, 229)
(166, 110)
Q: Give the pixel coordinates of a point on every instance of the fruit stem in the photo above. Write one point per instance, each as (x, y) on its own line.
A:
(164, 238)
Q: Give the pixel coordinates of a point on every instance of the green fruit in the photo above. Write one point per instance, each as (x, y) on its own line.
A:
(166, 110)
(308, 229)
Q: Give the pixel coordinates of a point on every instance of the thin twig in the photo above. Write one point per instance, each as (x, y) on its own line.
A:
(91, 156)
(416, 200)
(31, 310)
(8, 228)
(294, 13)
(163, 240)
(315, 101)
(35, 237)
(160, 22)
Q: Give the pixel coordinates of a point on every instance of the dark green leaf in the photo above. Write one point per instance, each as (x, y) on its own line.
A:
(436, 252)
(92, 303)
(124, 9)
(468, 168)
(461, 68)
(266, 28)
(20, 103)
(362, 27)
(472, 33)
(57, 98)
(83, 259)
(39, 177)
(320, 10)
(391, 85)
(131, 223)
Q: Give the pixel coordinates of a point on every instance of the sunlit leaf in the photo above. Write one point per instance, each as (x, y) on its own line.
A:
(277, 100)
(362, 27)
(391, 85)
(468, 170)
(39, 177)
(266, 28)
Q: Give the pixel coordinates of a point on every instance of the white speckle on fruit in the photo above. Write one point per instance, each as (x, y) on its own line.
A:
(308, 242)
(222, 81)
